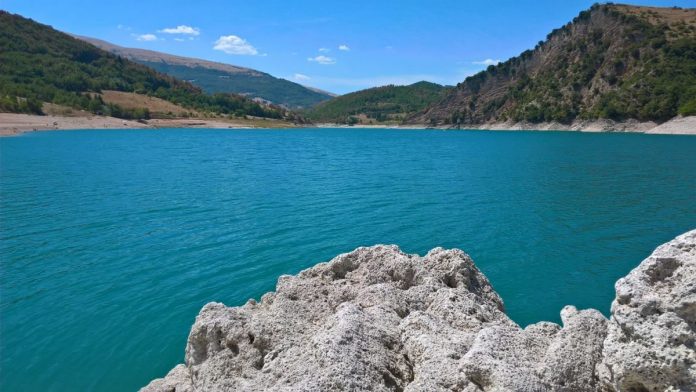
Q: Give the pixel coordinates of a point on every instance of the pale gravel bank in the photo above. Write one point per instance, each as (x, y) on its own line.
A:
(676, 126)
(377, 319)
(679, 125)
(15, 124)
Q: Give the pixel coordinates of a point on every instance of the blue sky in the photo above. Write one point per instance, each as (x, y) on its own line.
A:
(339, 46)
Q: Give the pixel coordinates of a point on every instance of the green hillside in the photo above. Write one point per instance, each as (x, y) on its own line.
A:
(612, 61)
(387, 104)
(39, 64)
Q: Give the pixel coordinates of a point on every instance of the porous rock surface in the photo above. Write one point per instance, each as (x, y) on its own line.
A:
(377, 319)
(651, 340)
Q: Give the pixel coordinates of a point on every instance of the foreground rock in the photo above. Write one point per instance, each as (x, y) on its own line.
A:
(380, 320)
(651, 338)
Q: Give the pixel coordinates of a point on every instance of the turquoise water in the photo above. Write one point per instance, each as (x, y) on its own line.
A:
(111, 241)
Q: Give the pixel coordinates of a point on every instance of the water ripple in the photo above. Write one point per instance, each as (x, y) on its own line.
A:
(111, 241)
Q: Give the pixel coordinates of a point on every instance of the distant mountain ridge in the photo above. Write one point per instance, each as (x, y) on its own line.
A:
(215, 77)
(137, 54)
(385, 104)
(613, 62)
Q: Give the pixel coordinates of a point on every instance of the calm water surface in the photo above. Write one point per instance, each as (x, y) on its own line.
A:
(111, 241)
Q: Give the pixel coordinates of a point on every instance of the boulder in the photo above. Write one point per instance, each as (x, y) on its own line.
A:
(377, 319)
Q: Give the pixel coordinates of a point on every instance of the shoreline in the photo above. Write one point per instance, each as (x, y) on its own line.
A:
(675, 126)
(13, 124)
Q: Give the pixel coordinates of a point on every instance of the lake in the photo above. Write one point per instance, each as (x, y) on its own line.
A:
(111, 241)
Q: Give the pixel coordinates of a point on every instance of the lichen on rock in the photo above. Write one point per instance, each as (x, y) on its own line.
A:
(381, 320)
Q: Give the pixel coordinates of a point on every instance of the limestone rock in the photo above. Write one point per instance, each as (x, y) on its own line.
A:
(177, 380)
(377, 319)
(651, 341)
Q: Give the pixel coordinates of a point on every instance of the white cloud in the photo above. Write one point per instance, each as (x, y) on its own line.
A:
(146, 37)
(232, 44)
(487, 62)
(323, 60)
(182, 29)
(324, 50)
(300, 77)
(344, 48)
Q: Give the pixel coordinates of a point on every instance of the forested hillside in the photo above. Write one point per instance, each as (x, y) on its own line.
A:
(612, 61)
(378, 105)
(39, 64)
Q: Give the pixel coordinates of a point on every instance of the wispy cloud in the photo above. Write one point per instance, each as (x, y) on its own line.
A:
(324, 50)
(232, 44)
(300, 77)
(182, 29)
(487, 62)
(344, 48)
(145, 37)
(323, 60)
(124, 27)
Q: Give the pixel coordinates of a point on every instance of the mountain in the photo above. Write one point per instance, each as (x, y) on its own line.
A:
(611, 62)
(215, 77)
(378, 105)
(39, 64)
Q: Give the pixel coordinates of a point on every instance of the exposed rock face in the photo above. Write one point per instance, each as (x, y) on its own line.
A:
(380, 320)
(651, 338)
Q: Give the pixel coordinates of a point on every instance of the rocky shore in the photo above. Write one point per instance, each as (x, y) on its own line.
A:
(675, 126)
(14, 124)
(377, 319)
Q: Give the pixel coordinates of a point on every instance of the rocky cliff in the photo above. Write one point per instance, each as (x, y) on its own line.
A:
(378, 319)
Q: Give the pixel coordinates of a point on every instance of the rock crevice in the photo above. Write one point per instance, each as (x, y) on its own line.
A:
(378, 319)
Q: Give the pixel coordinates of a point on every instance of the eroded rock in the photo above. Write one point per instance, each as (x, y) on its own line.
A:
(378, 319)
(651, 338)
